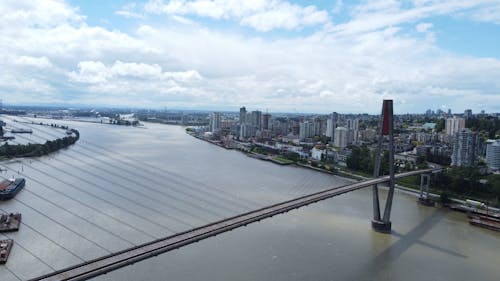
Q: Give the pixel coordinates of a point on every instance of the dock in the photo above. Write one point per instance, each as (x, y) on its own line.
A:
(10, 222)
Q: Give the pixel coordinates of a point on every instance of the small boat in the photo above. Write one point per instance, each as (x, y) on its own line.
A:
(9, 188)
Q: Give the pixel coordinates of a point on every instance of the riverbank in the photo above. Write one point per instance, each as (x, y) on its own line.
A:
(9, 151)
(410, 189)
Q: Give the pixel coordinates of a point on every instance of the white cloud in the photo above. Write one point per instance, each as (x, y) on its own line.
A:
(350, 68)
(261, 15)
(380, 14)
(339, 4)
(97, 72)
(41, 62)
(423, 27)
(487, 13)
(128, 11)
(37, 13)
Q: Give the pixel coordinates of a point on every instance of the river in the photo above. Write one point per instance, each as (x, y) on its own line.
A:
(122, 186)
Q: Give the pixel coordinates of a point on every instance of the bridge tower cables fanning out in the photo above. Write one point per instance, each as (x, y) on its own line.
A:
(383, 224)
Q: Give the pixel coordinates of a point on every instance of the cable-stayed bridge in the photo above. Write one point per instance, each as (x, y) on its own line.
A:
(207, 207)
(117, 260)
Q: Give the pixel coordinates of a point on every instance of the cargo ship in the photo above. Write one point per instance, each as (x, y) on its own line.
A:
(9, 188)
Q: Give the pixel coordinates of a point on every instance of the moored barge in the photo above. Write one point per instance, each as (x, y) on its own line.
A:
(9, 188)
(10, 222)
(490, 223)
(5, 247)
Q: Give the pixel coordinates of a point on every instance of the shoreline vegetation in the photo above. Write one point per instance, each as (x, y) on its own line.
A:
(409, 184)
(9, 151)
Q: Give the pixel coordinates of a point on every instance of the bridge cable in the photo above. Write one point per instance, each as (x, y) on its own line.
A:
(92, 195)
(123, 187)
(132, 172)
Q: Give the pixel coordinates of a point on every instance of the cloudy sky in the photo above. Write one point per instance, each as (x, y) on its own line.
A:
(282, 55)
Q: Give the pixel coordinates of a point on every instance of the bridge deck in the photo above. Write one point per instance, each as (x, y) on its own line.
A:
(114, 261)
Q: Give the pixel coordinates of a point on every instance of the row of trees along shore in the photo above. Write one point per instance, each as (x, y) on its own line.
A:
(37, 149)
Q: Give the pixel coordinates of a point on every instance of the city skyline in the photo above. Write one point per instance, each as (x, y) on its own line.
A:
(285, 56)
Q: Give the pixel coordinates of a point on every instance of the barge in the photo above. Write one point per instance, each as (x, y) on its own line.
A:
(10, 222)
(9, 188)
(5, 247)
(21, 131)
(485, 222)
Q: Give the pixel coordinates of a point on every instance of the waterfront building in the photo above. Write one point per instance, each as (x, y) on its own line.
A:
(465, 148)
(493, 154)
(317, 153)
(454, 125)
(246, 131)
(215, 122)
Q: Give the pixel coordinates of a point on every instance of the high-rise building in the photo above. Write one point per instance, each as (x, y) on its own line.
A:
(465, 148)
(215, 122)
(246, 131)
(243, 115)
(353, 126)
(266, 121)
(319, 126)
(493, 154)
(306, 130)
(329, 128)
(333, 124)
(256, 120)
(468, 114)
(341, 137)
(454, 125)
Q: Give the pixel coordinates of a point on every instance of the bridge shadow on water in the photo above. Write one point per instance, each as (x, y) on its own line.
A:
(383, 261)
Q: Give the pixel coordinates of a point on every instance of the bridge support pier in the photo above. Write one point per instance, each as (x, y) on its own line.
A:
(382, 227)
(424, 198)
(386, 128)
